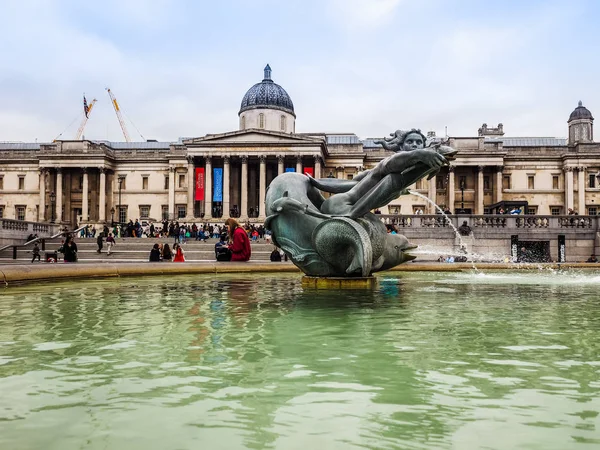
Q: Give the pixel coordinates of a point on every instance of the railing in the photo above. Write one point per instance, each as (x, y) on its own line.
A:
(22, 225)
(493, 221)
(38, 239)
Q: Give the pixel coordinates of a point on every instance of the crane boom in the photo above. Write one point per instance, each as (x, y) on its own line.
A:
(119, 116)
(85, 119)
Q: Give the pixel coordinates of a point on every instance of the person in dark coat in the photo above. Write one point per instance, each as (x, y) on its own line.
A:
(275, 255)
(70, 250)
(167, 254)
(155, 254)
(99, 241)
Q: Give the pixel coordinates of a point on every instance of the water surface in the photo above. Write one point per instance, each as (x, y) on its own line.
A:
(425, 361)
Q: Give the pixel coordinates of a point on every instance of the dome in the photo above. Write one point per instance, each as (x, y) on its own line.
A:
(267, 94)
(581, 112)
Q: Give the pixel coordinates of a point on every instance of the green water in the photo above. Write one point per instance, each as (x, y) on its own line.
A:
(465, 361)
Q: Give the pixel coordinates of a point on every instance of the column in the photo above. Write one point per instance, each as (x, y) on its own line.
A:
(581, 191)
(102, 205)
(262, 182)
(480, 193)
(172, 174)
(244, 202)
(85, 207)
(59, 195)
(498, 185)
(191, 184)
(42, 217)
(450, 188)
(280, 166)
(317, 166)
(432, 194)
(568, 188)
(298, 163)
(226, 167)
(208, 189)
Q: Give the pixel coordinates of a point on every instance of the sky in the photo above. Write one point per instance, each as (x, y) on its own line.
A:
(181, 68)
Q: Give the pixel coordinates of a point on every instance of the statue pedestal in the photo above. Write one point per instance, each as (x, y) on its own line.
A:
(339, 282)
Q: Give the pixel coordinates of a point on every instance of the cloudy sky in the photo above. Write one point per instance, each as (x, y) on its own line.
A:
(181, 68)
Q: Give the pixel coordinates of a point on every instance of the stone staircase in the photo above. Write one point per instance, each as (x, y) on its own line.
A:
(132, 250)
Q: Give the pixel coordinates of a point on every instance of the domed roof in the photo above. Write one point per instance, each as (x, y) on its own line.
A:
(267, 94)
(581, 112)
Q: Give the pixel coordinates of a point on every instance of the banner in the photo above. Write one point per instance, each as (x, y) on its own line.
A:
(199, 184)
(218, 185)
(309, 171)
(290, 169)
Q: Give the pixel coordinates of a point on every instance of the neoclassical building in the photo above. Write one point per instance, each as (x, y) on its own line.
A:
(206, 178)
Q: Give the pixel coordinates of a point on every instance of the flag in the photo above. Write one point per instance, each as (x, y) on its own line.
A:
(86, 108)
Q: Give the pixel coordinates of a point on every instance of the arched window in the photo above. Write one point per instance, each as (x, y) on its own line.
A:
(261, 120)
(243, 122)
(282, 123)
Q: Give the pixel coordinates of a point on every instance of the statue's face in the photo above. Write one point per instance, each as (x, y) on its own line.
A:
(413, 141)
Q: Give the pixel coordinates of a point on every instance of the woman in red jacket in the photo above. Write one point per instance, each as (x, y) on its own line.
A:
(240, 244)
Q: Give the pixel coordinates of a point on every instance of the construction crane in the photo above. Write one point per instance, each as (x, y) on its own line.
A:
(119, 116)
(87, 111)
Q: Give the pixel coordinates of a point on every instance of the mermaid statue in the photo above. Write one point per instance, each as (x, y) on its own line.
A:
(338, 236)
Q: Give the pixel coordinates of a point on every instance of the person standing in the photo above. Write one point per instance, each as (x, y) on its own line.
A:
(35, 252)
(110, 241)
(70, 250)
(240, 244)
(99, 242)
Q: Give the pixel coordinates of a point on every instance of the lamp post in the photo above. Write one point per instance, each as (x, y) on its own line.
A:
(52, 205)
(462, 196)
(112, 216)
(120, 187)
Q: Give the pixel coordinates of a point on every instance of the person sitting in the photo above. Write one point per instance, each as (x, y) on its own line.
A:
(167, 254)
(275, 255)
(222, 252)
(592, 259)
(155, 254)
(464, 229)
(179, 257)
(240, 246)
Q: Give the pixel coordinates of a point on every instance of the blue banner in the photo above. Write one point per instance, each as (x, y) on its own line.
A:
(290, 169)
(218, 185)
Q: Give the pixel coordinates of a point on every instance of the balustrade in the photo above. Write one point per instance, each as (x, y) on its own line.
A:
(492, 221)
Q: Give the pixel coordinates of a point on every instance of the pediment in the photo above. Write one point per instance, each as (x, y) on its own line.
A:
(252, 136)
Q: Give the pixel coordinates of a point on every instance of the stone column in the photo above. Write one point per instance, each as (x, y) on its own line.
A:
(298, 163)
(59, 195)
(102, 205)
(172, 174)
(226, 186)
(244, 201)
(85, 207)
(581, 191)
(568, 188)
(280, 166)
(498, 185)
(42, 217)
(191, 185)
(431, 195)
(450, 188)
(262, 182)
(208, 189)
(480, 193)
(317, 166)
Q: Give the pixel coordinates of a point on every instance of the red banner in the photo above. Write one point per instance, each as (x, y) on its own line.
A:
(309, 171)
(199, 183)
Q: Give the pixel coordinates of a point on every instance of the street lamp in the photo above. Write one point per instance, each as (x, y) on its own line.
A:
(52, 204)
(121, 179)
(112, 216)
(462, 196)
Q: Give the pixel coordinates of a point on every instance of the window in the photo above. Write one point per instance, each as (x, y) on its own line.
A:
(282, 123)
(164, 212)
(144, 211)
(555, 210)
(506, 182)
(1, 211)
(1, 182)
(440, 182)
(121, 181)
(181, 211)
(486, 183)
(145, 183)
(243, 122)
(555, 182)
(592, 181)
(592, 211)
(261, 120)
(181, 183)
(418, 209)
(123, 214)
(530, 182)
(395, 209)
(20, 212)
(349, 176)
(486, 211)
(166, 182)
(532, 210)
(21, 184)
(462, 182)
